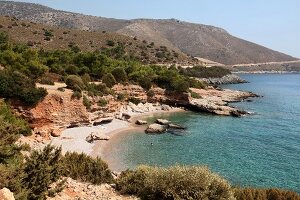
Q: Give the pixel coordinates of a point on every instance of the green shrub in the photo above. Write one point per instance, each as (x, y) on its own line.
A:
(109, 80)
(15, 85)
(120, 97)
(110, 43)
(84, 168)
(41, 169)
(76, 95)
(150, 93)
(75, 83)
(86, 102)
(3, 37)
(134, 100)
(177, 182)
(195, 95)
(119, 74)
(102, 103)
(265, 194)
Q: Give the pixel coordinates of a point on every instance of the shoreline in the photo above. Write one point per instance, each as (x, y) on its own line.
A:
(74, 139)
(102, 148)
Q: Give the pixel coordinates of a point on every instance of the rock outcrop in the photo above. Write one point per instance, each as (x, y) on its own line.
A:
(86, 191)
(163, 121)
(140, 122)
(216, 101)
(6, 194)
(228, 79)
(156, 129)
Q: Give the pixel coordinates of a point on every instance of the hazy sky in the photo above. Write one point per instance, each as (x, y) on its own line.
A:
(272, 23)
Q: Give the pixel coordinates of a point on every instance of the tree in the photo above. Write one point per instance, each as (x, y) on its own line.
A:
(109, 80)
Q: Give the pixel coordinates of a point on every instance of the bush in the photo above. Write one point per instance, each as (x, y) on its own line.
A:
(109, 80)
(110, 43)
(41, 170)
(75, 83)
(134, 100)
(119, 74)
(76, 95)
(84, 168)
(150, 93)
(102, 102)
(177, 182)
(14, 85)
(195, 95)
(86, 102)
(265, 194)
(3, 37)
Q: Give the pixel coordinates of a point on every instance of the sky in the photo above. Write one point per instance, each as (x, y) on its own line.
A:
(271, 23)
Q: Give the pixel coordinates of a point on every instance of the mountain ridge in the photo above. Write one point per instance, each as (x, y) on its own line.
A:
(197, 40)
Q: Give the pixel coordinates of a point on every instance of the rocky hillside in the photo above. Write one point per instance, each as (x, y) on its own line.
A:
(51, 37)
(195, 39)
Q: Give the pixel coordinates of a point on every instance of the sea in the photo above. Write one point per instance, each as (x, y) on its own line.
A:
(258, 150)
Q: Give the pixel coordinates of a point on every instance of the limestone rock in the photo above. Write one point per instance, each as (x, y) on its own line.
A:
(6, 194)
(163, 121)
(141, 122)
(96, 136)
(103, 121)
(156, 128)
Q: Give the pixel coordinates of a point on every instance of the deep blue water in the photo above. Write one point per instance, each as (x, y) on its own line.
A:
(260, 150)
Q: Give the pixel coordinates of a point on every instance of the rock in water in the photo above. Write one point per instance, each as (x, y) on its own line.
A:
(6, 194)
(156, 128)
(176, 126)
(141, 122)
(163, 121)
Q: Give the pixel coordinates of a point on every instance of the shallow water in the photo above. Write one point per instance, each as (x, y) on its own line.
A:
(258, 150)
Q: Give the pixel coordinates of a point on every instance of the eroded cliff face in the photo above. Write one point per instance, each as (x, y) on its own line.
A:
(55, 112)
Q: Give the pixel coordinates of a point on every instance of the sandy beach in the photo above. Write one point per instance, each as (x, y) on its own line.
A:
(74, 139)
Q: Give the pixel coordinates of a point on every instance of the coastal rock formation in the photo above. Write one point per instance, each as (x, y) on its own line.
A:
(103, 121)
(6, 194)
(156, 129)
(55, 112)
(141, 122)
(163, 121)
(228, 79)
(216, 101)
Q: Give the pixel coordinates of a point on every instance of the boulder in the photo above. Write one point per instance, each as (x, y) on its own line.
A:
(176, 126)
(55, 133)
(96, 136)
(126, 115)
(156, 128)
(6, 194)
(163, 121)
(103, 121)
(141, 122)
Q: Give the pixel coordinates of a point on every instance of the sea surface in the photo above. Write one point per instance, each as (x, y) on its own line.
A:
(260, 150)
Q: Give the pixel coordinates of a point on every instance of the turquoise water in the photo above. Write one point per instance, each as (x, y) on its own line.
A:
(258, 150)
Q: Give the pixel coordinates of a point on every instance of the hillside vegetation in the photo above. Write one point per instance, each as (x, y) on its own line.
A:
(50, 38)
(198, 40)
